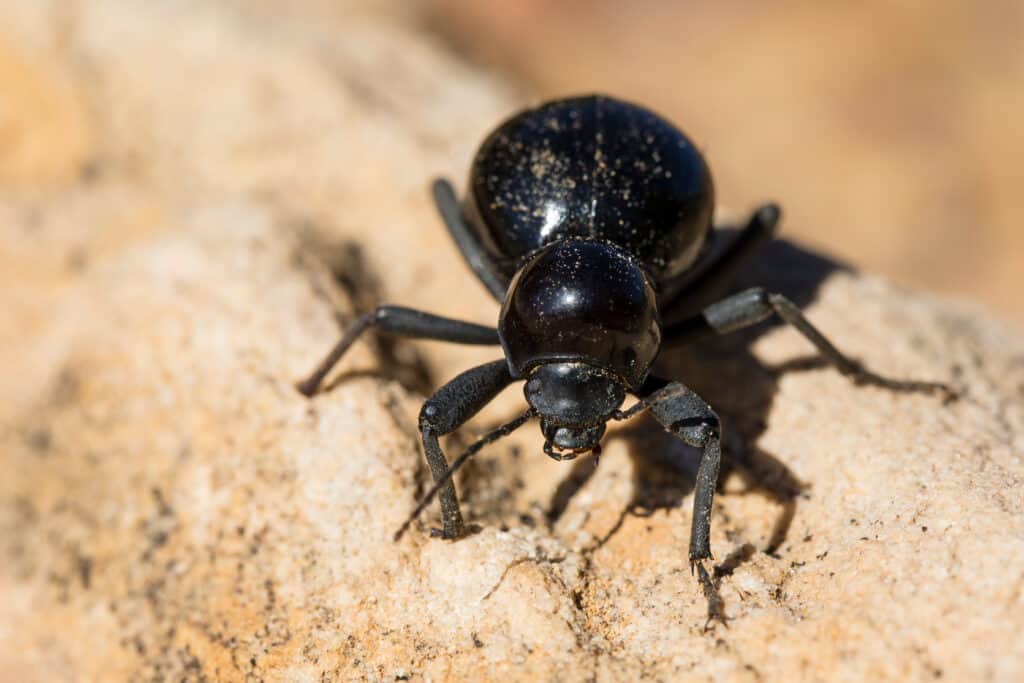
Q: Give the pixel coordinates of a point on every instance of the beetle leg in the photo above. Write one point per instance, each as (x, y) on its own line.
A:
(477, 258)
(447, 410)
(404, 322)
(713, 277)
(754, 305)
(685, 415)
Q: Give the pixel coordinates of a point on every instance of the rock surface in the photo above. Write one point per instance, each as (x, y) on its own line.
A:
(196, 196)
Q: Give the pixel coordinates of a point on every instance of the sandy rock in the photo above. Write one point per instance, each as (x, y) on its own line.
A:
(171, 508)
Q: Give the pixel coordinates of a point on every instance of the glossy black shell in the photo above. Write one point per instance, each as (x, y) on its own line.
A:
(591, 167)
(581, 300)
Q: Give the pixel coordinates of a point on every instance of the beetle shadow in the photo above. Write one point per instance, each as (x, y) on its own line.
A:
(398, 360)
(722, 370)
(741, 389)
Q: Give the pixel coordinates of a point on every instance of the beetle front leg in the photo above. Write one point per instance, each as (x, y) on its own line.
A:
(685, 415)
(751, 306)
(446, 411)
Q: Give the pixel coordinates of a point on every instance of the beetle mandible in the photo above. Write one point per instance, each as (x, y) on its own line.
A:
(588, 220)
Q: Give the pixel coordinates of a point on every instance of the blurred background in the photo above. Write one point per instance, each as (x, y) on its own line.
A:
(892, 131)
(889, 130)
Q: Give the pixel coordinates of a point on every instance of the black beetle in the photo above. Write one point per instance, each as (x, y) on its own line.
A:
(588, 219)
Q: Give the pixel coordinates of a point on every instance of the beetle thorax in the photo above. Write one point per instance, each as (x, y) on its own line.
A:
(585, 301)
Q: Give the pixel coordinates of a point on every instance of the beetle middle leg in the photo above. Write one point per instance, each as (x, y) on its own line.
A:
(443, 413)
(404, 322)
(751, 306)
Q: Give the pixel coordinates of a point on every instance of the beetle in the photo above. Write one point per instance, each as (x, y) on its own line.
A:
(589, 220)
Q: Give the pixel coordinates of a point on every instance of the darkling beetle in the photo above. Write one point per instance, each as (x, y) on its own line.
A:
(588, 220)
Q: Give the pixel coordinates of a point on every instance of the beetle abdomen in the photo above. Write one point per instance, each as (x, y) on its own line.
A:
(591, 167)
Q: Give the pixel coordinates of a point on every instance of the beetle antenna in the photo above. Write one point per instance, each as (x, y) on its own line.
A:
(489, 437)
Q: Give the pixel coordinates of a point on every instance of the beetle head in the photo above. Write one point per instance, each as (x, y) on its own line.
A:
(574, 401)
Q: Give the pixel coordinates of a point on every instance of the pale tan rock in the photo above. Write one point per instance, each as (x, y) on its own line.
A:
(172, 509)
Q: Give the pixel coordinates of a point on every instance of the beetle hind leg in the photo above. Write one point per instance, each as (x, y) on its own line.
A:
(712, 278)
(477, 258)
